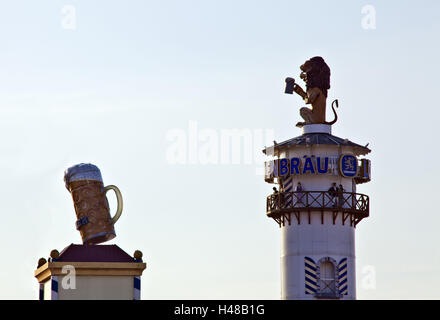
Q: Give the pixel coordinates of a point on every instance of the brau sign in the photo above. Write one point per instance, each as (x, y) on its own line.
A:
(346, 166)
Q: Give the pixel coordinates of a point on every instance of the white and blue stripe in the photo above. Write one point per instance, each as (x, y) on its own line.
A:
(342, 277)
(54, 288)
(41, 292)
(288, 187)
(311, 279)
(137, 288)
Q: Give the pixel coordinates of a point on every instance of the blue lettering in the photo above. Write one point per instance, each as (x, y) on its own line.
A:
(318, 165)
(308, 166)
(295, 164)
(283, 167)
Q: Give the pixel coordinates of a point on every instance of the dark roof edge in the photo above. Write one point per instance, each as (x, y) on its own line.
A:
(297, 142)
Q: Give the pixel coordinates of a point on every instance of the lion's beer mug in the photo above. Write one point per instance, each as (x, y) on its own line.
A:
(84, 182)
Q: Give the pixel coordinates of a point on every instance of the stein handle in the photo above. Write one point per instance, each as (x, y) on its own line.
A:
(119, 199)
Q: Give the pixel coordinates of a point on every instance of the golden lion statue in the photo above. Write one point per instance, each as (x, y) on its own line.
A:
(316, 74)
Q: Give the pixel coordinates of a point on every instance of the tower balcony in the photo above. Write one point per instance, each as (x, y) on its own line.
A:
(282, 206)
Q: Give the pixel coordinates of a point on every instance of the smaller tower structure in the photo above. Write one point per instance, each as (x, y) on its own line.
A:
(90, 272)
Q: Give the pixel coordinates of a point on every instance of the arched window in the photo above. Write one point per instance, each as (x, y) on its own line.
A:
(327, 279)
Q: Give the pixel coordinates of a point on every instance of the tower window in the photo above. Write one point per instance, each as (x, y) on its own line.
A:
(327, 279)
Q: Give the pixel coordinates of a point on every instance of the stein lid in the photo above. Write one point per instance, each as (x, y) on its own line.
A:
(82, 171)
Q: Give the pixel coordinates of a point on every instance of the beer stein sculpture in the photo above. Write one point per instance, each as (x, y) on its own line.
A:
(84, 182)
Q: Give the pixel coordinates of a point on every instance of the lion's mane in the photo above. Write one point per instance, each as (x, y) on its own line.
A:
(318, 75)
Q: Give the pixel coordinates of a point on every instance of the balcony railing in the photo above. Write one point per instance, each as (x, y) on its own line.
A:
(347, 202)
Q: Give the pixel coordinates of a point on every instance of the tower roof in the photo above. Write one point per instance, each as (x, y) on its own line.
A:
(309, 139)
(94, 253)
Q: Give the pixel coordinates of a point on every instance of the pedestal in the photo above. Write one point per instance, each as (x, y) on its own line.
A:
(90, 272)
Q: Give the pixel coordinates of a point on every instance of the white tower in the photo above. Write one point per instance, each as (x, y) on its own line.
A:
(317, 225)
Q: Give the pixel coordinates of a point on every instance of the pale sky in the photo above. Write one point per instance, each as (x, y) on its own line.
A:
(109, 86)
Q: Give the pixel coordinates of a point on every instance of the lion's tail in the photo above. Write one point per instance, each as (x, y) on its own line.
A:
(334, 111)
